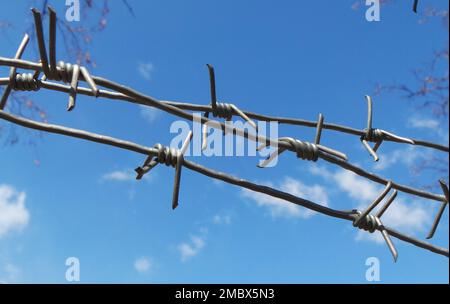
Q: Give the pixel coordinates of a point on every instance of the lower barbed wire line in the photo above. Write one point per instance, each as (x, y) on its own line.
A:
(345, 215)
(207, 108)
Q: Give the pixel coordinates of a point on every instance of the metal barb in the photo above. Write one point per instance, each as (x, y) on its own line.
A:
(374, 203)
(224, 110)
(388, 240)
(441, 209)
(369, 112)
(370, 131)
(88, 78)
(387, 204)
(41, 41)
(415, 5)
(52, 41)
(73, 87)
(370, 150)
(12, 71)
(319, 129)
(179, 165)
(212, 82)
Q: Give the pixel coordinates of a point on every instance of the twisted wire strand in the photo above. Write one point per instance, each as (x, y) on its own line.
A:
(374, 135)
(205, 108)
(25, 82)
(303, 150)
(223, 110)
(367, 223)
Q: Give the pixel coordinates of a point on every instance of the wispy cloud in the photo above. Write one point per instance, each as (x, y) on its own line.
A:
(281, 208)
(190, 249)
(407, 156)
(409, 216)
(221, 219)
(10, 274)
(143, 265)
(125, 175)
(14, 216)
(423, 123)
(435, 126)
(120, 176)
(148, 113)
(146, 70)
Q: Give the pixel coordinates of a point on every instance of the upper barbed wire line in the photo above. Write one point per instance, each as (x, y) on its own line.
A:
(208, 108)
(150, 101)
(353, 215)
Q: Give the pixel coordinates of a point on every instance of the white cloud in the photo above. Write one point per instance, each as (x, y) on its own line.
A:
(408, 216)
(119, 176)
(281, 208)
(10, 274)
(407, 157)
(221, 219)
(146, 70)
(433, 125)
(123, 176)
(190, 249)
(13, 213)
(142, 265)
(423, 123)
(150, 114)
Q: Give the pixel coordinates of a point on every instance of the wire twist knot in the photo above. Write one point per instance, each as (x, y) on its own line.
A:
(168, 156)
(304, 150)
(25, 82)
(64, 72)
(374, 135)
(223, 110)
(368, 223)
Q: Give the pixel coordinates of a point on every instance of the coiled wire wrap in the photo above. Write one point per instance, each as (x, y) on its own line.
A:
(303, 150)
(374, 135)
(168, 156)
(368, 223)
(25, 82)
(223, 110)
(64, 72)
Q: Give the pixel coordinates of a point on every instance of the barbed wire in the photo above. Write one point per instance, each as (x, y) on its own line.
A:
(160, 154)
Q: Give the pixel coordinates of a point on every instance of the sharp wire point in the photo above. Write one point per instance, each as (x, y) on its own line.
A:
(73, 88)
(387, 204)
(374, 203)
(12, 71)
(41, 41)
(52, 41)
(319, 129)
(387, 238)
(441, 210)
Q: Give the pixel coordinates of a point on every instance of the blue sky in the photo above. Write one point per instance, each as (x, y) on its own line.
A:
(294, 59)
